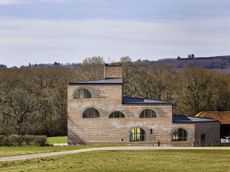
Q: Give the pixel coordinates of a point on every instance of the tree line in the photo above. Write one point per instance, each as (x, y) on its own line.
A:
(34, 100)
(190, 90)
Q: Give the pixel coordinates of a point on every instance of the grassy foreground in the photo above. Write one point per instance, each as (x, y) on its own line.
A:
(23, 150)
(103, 161)
(60, 139)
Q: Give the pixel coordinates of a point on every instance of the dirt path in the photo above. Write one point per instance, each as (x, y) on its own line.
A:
(128, 148)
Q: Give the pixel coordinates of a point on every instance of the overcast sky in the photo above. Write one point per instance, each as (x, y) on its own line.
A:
(45, 31)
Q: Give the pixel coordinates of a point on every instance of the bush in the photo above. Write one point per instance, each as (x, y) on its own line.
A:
(40, 140)
(15, 140)
(28, 139)
(2, 140)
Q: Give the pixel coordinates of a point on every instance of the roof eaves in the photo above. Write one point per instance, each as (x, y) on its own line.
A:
(108, 81)
(188, 119)
(141, 104)
(141, 101)
(86, 83)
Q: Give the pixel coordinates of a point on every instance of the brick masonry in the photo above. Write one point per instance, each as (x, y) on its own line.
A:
(113, 71)
(107, 98)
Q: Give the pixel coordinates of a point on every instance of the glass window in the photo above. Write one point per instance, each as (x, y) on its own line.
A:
(91, 113)
(116, 114)
(148, 114)
(137, 134)
(179, 135)
(82, 93)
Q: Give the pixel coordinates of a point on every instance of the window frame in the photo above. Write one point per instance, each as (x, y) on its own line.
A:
(144, 114)
(93, 110)
(179, 134)
(137, 136)
(116, 114)
(82, 93)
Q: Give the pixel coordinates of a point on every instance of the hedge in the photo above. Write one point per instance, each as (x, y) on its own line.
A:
(16, 140)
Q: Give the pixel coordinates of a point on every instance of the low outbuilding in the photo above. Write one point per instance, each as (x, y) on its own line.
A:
(222, 116)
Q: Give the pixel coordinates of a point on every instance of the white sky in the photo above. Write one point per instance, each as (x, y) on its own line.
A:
(45, 31)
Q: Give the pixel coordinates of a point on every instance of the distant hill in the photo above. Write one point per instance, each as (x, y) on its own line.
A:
(218, 63)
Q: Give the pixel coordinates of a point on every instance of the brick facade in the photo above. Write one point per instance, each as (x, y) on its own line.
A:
(107, 98)
(112, 71)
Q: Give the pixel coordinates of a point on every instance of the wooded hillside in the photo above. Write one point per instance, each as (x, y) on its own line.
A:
(33, 100)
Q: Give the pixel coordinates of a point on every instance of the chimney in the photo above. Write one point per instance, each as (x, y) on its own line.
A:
(113, 71)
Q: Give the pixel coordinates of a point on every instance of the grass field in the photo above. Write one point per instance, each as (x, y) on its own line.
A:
(60, 139)
(103, 161)
(23, 150)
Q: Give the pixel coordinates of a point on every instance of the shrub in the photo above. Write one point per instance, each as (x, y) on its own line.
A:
(15, 140)
(28, 139)
(2, 140)
(40, 140)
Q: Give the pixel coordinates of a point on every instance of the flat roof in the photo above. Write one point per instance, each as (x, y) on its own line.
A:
(113, 64)
(189, 119)
(141, 101)
(104, 81)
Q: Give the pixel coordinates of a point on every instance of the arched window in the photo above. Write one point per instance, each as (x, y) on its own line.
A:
(82, 93)
(91, 113)
(116, 114)
(137, 134)
(148, 113)
(179, 135)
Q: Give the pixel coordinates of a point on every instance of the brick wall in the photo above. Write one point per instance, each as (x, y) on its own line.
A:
(189, 127)
(210, 130)
(113, 71)
(107, 98)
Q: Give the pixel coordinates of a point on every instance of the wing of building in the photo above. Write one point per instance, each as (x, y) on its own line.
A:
(223, 117)
(99, 113)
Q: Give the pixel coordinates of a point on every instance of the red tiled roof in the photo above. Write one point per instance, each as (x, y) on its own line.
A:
(222, 116)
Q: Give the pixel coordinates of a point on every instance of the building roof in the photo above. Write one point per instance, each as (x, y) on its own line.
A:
(113, 64)
(189, 119)
(131, 100)
(105, 81)
(223, 117)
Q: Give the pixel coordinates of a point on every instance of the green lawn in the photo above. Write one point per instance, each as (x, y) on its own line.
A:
(60, 139)
(103, 161)
(22, 150)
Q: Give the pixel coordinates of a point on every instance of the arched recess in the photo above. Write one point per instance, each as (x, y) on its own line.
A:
(148, 113)
(82, 93)
(91, 113)
(179, 134)
(137, 135)
(116, 114)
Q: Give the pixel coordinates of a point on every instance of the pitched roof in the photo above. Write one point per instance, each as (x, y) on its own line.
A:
(105, 81)
(222, 116)
(131, 100)
(188, 119)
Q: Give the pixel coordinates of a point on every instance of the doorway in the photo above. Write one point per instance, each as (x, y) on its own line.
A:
(137, 134)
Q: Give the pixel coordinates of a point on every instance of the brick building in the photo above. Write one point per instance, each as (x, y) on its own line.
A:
(98, 113)
(222, 116)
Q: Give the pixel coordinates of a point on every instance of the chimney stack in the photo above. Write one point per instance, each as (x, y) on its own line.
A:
(113, 71)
